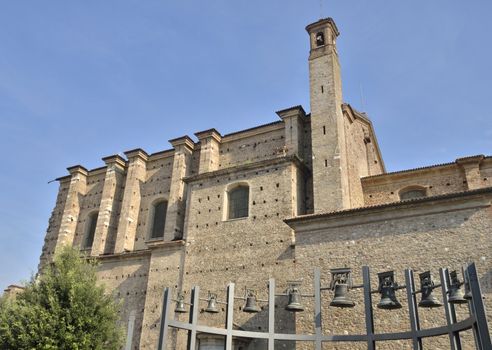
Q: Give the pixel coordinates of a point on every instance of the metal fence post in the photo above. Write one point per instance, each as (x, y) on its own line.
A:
(230, 315)
(478, 308)
(195, 294)
(371, 344)
(271, 314)
(317, 308)
(454, 338)
(166, 302)
(413, 309)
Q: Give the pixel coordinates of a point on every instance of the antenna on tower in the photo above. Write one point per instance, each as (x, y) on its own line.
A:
(320, 8)
(361, 97)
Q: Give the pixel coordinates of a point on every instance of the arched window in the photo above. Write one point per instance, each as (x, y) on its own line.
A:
(158, 219)
(238, 202)
(413, 193)
(91, 229)
(320, 39)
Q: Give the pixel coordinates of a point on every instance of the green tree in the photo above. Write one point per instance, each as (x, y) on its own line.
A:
(63, 308)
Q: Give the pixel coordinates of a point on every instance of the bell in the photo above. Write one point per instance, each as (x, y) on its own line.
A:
(427, 286)
(212, 304)
(341, 282)
(455, 292)
(388, 300)
(294, 300)
(387, 288)
(180, 305)
(251, 306)
(340, 299)
(456, 296)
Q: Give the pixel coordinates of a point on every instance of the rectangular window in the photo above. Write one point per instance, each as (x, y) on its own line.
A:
(159, 221)
(239, 202)
(91, 231)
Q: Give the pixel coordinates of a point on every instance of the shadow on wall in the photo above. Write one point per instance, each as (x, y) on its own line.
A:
(285, 322)
(128, 287)
(287, 254)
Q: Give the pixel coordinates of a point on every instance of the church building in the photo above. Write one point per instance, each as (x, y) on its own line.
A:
(307, 190)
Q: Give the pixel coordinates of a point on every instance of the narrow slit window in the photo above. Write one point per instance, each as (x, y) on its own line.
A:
(159, 220)
(91, 230)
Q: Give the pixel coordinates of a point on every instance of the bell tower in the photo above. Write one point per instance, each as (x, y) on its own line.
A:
(330, 183)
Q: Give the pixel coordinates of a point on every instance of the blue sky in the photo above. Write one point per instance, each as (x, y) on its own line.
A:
(80, 80)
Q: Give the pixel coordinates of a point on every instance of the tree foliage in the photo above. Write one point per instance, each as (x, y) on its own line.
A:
(63, 308)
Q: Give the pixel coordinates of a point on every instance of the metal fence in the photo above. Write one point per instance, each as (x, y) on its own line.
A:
(449, 285)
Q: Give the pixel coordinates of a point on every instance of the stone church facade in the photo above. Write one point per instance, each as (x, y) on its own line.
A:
(275, 201)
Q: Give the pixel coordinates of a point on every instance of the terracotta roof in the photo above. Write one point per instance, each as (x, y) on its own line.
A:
(423, 168)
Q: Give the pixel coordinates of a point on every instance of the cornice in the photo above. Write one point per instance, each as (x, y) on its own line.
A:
(251, 166)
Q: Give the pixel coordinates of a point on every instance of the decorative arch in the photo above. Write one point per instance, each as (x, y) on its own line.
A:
(157, 218)
(236, 204)
(90, 229)
(412, 192)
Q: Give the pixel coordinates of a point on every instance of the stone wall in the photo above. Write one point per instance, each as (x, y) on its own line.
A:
(245, 251)
(165, 269)
(362, 152)
(421, 236)
(156, 187)
(126, 277)
(436, 180)
(249, 147)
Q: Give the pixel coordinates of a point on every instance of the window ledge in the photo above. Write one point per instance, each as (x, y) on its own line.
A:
(155, 239)
(236, 219)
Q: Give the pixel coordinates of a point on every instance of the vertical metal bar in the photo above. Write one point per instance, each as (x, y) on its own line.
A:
(271, 314)
(317, 308)
(371, 344)
(413, 309)
(164, 319)
(478, 307)
(195, 299)
(230, 315)
(471, 310)
(449, 309)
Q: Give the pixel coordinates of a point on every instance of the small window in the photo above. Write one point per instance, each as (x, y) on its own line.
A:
(238, 200)
(159, 219)
(91, 230)
(412, 193)
(320, 39)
